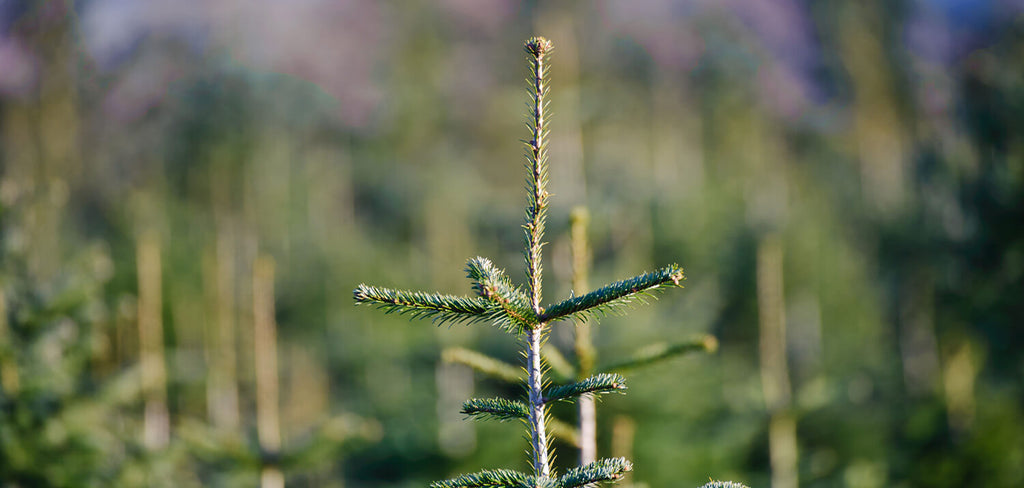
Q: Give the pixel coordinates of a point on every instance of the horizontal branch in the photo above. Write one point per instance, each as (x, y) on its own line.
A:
(608, 469)
(438, 308)
(662, 351)
(490, 478)
(484, 364)
(601, 383)
(495, 408)
(611, 298)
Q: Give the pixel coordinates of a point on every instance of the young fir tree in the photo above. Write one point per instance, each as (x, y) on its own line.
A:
(520, 313)
(65, 409)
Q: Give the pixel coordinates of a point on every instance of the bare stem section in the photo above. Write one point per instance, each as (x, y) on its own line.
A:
(268, 417)
(782, 442)
(156, 430)
(538, 434)
(579, 219)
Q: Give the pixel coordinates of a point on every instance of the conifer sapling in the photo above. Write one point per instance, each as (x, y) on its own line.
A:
(519, 311)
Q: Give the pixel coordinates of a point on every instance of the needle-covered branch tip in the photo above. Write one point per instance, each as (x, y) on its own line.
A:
(538, 46)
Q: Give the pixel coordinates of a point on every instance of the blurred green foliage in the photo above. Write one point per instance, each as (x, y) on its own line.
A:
(882, 142)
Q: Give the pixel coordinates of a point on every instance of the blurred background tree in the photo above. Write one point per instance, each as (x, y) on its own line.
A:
(843, 182)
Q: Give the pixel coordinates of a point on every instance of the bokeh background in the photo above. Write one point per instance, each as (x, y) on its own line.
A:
(191, 189)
